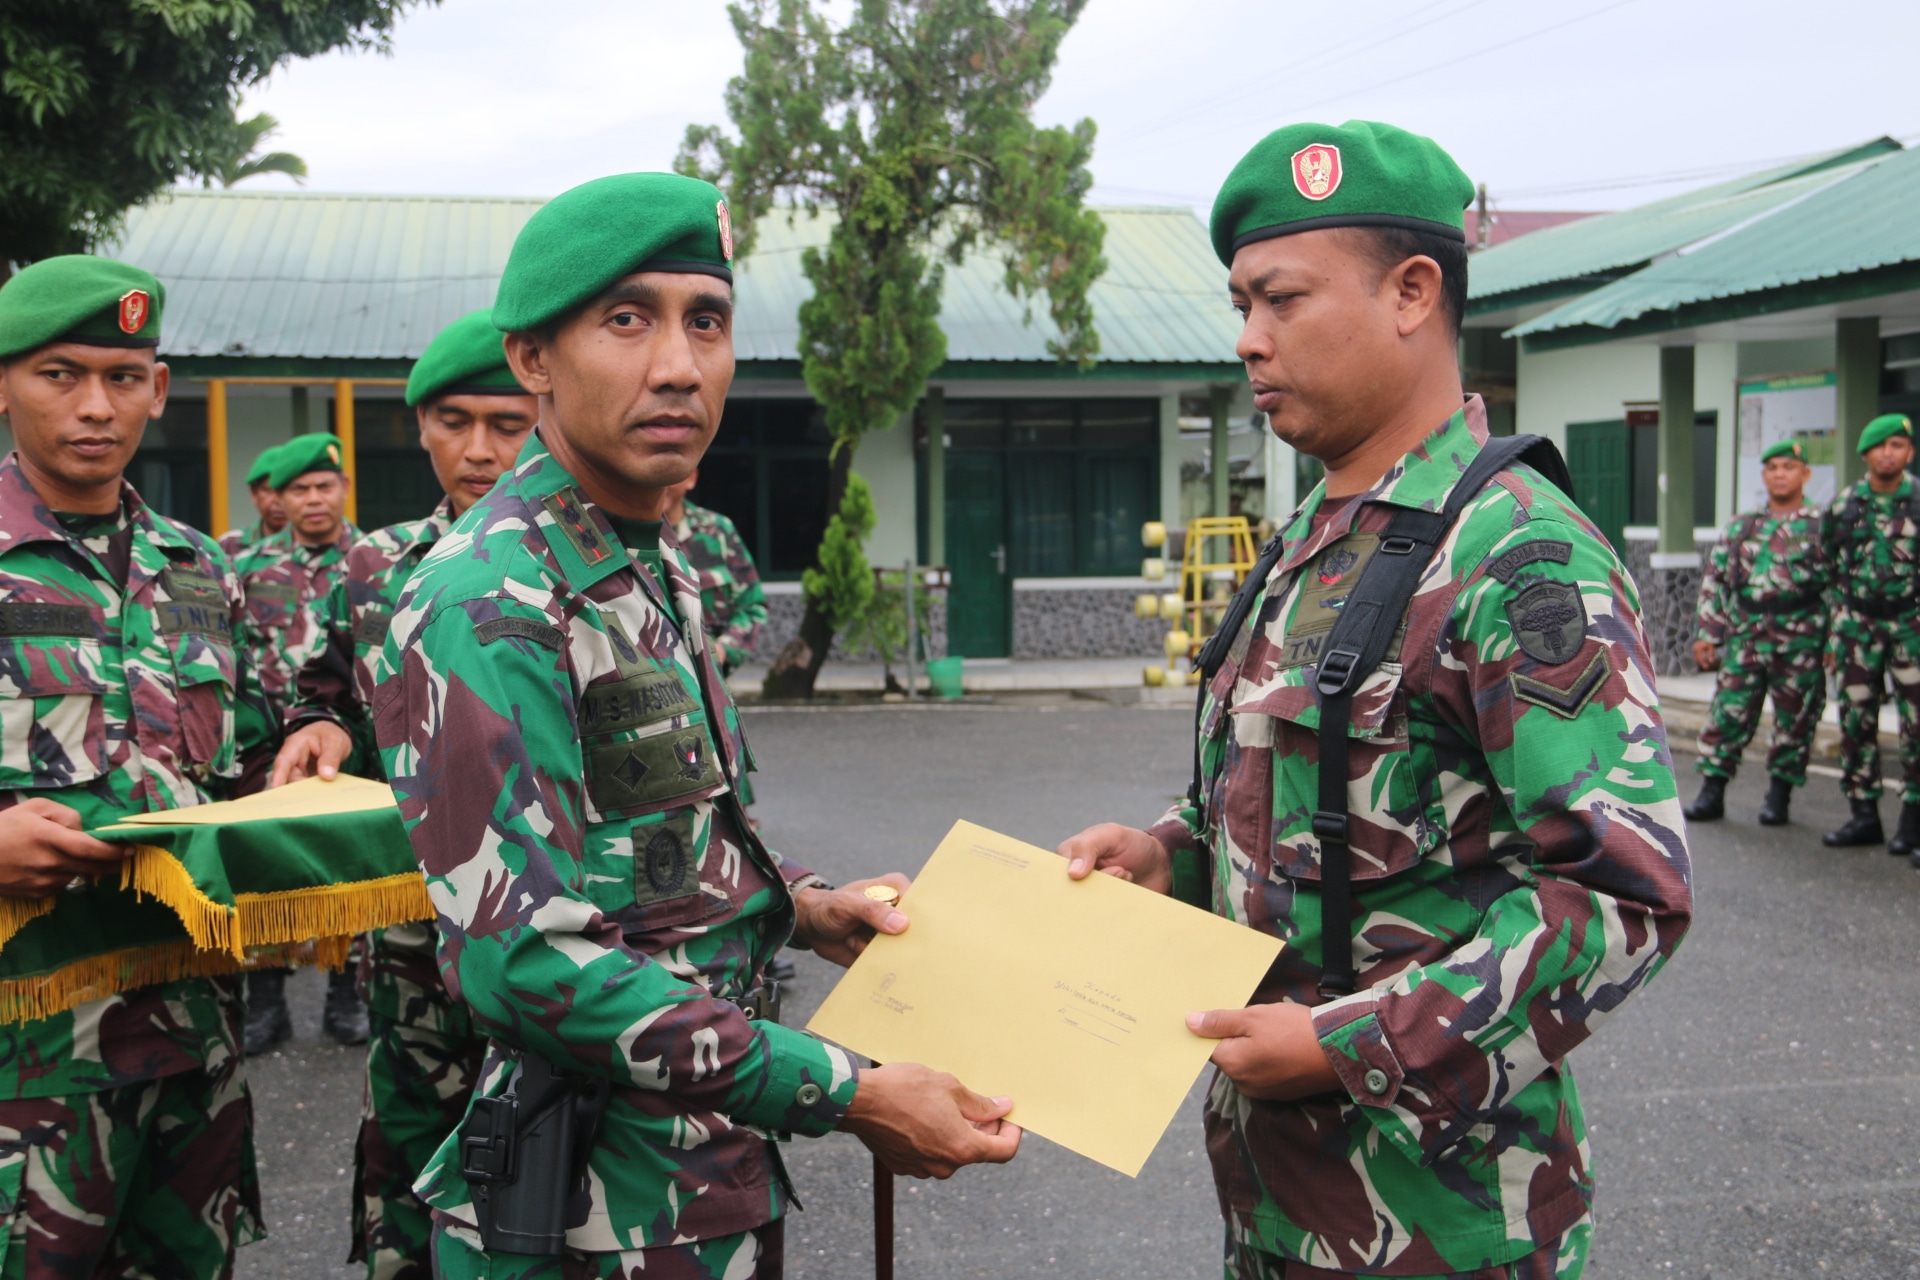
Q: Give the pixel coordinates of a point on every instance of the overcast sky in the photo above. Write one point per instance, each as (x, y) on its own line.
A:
(1568, 104)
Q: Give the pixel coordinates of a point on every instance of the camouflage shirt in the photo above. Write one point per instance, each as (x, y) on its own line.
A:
(285, 583)
(564, 754)
(1768, 572)
(119, 681)
(1519, 868)
(234, 541)
(1874, 555)
(730, 594)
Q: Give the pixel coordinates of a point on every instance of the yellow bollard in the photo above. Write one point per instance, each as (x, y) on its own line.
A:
(1146, 606)
(1153, 534)
(1154, 676)
(1178, 642)
(1153, 568)
(1172, 606)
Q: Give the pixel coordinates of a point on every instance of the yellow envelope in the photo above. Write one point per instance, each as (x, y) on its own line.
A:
(1070, 998)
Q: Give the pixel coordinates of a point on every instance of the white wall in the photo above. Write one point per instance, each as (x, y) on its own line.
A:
(885, 458)
(1172, 452)
(1584, 384)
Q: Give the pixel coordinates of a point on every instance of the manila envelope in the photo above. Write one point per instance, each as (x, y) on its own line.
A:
(1070, 998)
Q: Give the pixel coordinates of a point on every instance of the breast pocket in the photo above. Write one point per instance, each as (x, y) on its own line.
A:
(1279, 731)
(53, 729)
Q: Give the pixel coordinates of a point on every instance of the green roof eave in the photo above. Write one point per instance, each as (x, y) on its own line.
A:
(1852, 287)
(1551, 291)
(319, 369)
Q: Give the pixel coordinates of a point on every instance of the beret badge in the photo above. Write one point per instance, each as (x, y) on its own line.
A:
(1316, 171)
(726, 230)
(135, 304)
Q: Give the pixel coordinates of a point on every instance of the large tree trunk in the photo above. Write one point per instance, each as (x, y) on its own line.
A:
(797, 665)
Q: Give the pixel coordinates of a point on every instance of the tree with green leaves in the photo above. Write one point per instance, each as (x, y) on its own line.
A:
(245, 160)
(106, 103)
(910, 128)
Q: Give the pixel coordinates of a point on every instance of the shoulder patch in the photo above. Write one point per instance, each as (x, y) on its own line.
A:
(1549, 621)
(1564, 702)
(1511, 562)
(541, 633)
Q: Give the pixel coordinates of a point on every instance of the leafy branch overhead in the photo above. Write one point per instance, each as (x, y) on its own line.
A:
(910, 129)
(106, 103)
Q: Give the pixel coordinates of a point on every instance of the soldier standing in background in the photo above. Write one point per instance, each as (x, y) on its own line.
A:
(423, 1054)
(126, 1128)
(1466, 831)
(730, 592)
(271, 512)
(287, 578)
(1871, 533)
(1763, 626)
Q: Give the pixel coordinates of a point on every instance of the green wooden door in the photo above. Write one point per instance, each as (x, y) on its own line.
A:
(1601, 462)
(980, 603)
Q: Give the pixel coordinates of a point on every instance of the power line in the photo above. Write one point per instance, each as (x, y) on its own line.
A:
(1732, 169)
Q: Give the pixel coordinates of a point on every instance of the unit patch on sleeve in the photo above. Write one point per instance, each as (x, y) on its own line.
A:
(541, 633)
(1549, 621)
(1511, 562)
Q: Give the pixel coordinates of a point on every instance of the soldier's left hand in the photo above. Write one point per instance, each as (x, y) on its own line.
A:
(838, 923)
(1269, 1051)
(318, 747)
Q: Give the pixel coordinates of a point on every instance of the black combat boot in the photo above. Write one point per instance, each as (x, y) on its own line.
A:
(268, 1022)
(1711, 803)
(1773, 810)
(1862, 828)
(345, 1018)
(1906, 840)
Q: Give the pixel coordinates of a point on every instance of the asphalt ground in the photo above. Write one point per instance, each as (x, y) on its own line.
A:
(1752, 1112)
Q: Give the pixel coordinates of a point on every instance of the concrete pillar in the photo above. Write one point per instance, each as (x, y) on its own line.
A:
(1856, 363)
(1281, 473)
(936, 475)
(1219, 406)
(1170, 454)
(1676, 453)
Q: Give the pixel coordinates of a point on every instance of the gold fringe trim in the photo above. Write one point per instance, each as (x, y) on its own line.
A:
(292, 915)
(16, 912)
(96, 977)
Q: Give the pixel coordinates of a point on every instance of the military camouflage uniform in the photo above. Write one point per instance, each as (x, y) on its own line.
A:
(1519, 868)
(126, 1143)
(234, 541)
(1762, 604)
(285, 581)
(730, 594)
(1876, 610)
(565, 755)
(422, 1053)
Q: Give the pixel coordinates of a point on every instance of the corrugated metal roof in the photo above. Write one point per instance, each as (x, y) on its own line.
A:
(310, 275)
(1609, 244)
(1849, 220)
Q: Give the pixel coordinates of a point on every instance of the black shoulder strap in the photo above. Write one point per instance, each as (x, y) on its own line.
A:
(1355, 647)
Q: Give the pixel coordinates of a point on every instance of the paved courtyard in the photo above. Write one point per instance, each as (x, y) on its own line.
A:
(1753, 1112)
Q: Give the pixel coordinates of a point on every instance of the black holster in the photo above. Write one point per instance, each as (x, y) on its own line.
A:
(524, 1156)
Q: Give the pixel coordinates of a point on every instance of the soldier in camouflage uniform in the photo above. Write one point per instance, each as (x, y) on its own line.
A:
(1763, 624)
(423, 1055)
(565, 755)
(1871, 534)
(271, 512)
(1398, 1102)
(730, 593)
(126, 1144)
(287, 579)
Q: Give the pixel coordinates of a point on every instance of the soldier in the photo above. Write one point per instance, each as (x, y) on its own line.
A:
(271, 511)
(1465, 827)
(1763, 625)
(126, 1140)
(287, 577)
(1870, 536)
(734, 606)
(555, 725)
(423, 1054)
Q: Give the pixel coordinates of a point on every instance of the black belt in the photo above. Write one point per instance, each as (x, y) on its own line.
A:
(1883, 610)
(1789, 604)
(760, 1004)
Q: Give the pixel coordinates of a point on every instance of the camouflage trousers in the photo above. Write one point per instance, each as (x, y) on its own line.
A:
(1869, 653)
(1753, 669)
(154, 1179)
(423, 1059)
(759, 1254)
(1564, 1259)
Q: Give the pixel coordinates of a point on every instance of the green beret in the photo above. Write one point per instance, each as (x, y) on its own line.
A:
(1795, 449)
(583, 240)
(262, 466)
(80, 298)
(468, 357)
(1362, 174)
(1884, 427)
(298, 456)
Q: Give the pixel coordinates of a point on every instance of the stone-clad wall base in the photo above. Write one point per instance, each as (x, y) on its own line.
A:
(1669, 599)
(785, 610)
(1083, 622)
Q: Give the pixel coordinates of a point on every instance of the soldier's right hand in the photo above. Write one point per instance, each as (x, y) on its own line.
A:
(924, 1123)
(317, 747)
(1706, 655)
(42, 849)
(1126, 852)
